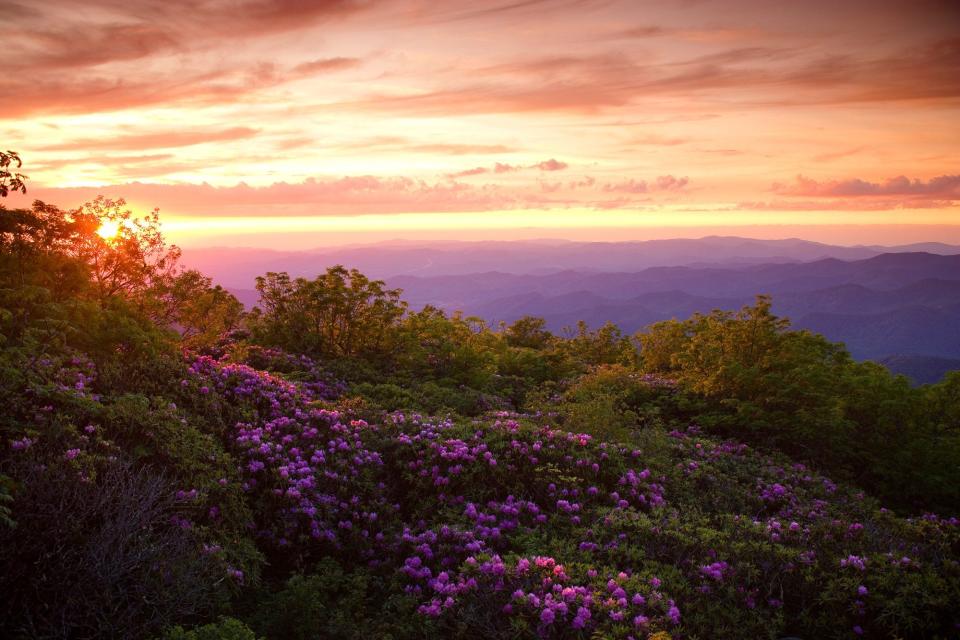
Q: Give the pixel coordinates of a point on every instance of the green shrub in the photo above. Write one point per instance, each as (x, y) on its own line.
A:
(224, 629)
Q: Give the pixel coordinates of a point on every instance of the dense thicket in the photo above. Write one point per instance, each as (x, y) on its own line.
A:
(172, 468)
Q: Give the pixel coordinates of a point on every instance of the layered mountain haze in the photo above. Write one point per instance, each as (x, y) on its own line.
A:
(237, 266)
(898, 305)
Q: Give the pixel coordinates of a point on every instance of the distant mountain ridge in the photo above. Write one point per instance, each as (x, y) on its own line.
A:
(900, 308)
(237, 267)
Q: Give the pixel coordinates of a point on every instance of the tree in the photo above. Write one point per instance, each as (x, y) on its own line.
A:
(606, 345)
(767, 378)
(134, 261)
(339, 313)
(457, 349)
(201, 311)
(104, 253)
(10, 179)
(528, 331)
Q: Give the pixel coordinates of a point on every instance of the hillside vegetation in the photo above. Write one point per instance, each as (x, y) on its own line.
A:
(336, 465)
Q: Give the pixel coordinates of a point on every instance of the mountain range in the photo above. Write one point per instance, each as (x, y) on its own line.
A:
(895, 305)
(238, 266)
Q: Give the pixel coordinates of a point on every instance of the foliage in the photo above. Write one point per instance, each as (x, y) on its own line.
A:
(62, 253)
(335, 604)
(11, 180)
(749, 376)
(606, 345)
(340, 313)
(202, 311)
(224, 629)
(528, 332)
(456, 350)
(610, 401)
(5, 499)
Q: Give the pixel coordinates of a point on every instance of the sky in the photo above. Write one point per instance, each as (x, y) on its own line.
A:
(295, 124)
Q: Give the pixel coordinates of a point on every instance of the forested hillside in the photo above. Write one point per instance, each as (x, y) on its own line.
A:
(335, 465)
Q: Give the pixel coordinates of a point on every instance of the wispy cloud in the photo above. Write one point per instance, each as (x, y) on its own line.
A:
(830, 156)
(326, 65)
(547, 165)
(155, 140)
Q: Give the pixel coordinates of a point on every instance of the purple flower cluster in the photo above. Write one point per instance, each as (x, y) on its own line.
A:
(542, 590)
(302, 462)
(855, 562)
(310, 375)
(715, 570)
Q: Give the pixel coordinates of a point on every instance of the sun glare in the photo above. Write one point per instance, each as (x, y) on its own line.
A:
(108, 229)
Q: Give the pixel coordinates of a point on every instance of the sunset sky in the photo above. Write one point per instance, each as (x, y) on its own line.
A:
(304, 123)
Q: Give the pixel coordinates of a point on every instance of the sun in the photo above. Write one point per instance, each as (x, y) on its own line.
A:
(108, 229)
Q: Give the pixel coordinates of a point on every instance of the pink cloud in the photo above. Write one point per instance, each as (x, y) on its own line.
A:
(669, 183)
(454, 149)
(350, 195)
(551, 165)
(945, 187)
(111, 30)
(758, 76)
(106, 160)
(584, 183)
(662, 183)
(626, 186)
(717, 34)
(476, 171)
(500, 167)
(723, 152)
(836, 155)
(71, 94)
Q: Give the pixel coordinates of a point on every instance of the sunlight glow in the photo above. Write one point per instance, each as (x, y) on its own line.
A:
(108, 229)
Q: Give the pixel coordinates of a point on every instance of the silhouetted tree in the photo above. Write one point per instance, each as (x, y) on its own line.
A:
(10, 179)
